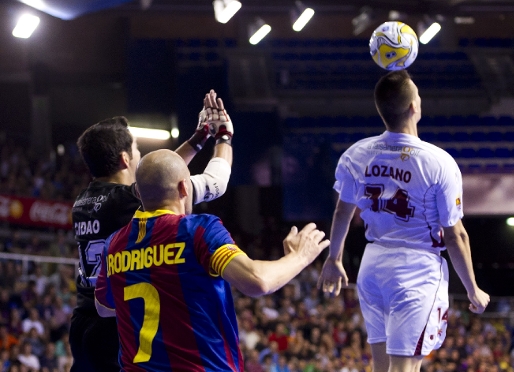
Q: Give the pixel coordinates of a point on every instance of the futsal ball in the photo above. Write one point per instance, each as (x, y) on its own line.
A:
(393, 45)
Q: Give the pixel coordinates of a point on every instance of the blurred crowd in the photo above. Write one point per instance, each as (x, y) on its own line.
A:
(54, 177)
(301, 330)
(298, 329)
(36, 303)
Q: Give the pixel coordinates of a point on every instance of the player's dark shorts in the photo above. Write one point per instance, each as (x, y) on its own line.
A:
(93, 340)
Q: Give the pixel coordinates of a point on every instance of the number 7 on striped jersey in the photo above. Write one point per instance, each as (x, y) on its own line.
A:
(152, 309)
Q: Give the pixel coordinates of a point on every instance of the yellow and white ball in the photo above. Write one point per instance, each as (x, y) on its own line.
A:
(394, 45)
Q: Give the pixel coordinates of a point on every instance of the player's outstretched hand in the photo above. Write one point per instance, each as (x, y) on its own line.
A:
(333, 276)
(219, 122)
(202, 133)
(479, 301)
(307, 243)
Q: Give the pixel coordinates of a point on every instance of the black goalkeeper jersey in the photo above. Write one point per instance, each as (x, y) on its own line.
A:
(99, 210)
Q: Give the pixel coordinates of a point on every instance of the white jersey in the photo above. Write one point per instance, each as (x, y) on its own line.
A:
(407, 189)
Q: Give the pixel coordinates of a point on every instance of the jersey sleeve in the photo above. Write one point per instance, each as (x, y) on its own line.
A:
(449, 197)
(345, 183)
(214, 246)
(103, 294)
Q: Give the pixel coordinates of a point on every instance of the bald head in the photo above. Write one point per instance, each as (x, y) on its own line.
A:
(158, 176)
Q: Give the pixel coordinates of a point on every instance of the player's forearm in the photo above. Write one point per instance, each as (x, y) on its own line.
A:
(186, 152)
(343, 215)
(270, 276)
(460, 254)
(223, 150)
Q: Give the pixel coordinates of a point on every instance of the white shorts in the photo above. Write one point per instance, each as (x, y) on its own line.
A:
(403, 295)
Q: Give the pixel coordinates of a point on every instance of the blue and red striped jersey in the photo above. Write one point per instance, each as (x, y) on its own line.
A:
(162, 275)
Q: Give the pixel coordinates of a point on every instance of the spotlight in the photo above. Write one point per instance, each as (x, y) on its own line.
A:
(429, 33)
(427, 29)
(301, 15)
(363, 20)
(175, 133)
(25, 26)
(159, 134)
(258, 30)
(464, 20)
(225, 9)
(395, 15)
(510, 221)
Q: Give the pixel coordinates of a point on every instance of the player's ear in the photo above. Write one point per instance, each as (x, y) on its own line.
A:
(414, 107)
(124, 160)
(183, 188)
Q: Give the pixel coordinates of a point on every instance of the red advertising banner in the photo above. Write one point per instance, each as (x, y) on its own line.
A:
(35, 212)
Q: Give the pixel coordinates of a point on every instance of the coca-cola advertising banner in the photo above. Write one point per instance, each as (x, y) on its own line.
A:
(35, 212)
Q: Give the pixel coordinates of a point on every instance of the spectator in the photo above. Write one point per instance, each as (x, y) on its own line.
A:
(14, 354)
(5, 363)
(281, 366)
(5, 305)
(248, 336)
(15, 326)
(270, 351)
(33, 321)
(60, 320)
(280, 337)
(252, 362)
(45, 308)
(36, 342)
(10, 276)
(7, 339)
(40, 280)
(28, 359)
(48, 360)
(66, 360)
(29, 295)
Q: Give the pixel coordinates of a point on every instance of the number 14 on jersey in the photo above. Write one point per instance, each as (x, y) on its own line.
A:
(398, 205)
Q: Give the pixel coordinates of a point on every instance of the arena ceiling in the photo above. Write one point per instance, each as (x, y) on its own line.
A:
(75, 8)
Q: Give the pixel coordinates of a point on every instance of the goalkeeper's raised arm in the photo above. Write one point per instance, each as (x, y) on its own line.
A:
(213, 121)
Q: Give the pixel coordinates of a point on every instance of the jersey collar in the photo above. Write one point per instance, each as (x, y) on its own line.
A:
(395, 136)
(157, 213)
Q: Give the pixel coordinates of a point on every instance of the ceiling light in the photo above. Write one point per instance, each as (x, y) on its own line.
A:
(159, 134)
(464, 20)
(395, 15)
(225, 9)
(26, 26)
(363, 20)
(301, 15)
(510, 221)
(258, 31)
(429, 33)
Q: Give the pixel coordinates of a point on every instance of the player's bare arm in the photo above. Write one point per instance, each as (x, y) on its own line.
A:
(192, 146)
(257, 278)
(333, 276)
(457, 244)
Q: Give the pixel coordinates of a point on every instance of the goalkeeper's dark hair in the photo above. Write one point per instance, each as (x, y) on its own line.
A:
(393, 96)
(102, 144)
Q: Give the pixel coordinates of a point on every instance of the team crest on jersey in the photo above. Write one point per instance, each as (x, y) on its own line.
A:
(458, 203)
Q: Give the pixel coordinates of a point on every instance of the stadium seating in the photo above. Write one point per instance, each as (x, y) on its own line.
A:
(479, 144)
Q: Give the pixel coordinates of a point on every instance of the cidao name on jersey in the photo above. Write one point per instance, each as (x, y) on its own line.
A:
(87, 228)
(144, 258)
